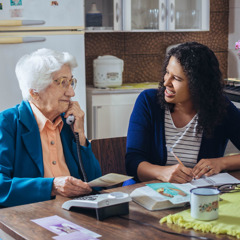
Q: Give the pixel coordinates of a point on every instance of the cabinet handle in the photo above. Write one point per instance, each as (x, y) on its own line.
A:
(117, 12)
(172, 12)
(16, 40)
(163, 12)
(8, 23)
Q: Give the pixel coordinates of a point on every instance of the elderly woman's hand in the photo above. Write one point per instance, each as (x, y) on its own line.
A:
(78, 126)
(69, 187)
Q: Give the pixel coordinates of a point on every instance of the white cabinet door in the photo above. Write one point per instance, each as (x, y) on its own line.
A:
(108, 114)
(166, 15)
(36, 14)
(144, 15)
(111, 121)
(188, 15)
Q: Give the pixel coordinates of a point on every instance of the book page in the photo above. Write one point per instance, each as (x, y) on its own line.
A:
(108, 180)
(148, 198)
(142, 191)
(170, 192)
(215, 180)
(202, 182)
(186, 187)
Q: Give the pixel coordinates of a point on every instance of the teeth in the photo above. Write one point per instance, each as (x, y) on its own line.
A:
(170, 92)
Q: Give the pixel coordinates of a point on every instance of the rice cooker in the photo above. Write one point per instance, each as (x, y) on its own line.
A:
(107, 71)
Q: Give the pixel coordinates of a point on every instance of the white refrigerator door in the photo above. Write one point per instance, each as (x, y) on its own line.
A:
(73, 43)
(61, 14)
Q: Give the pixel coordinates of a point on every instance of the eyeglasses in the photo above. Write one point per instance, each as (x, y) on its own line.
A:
(65, 83)
(229, 188)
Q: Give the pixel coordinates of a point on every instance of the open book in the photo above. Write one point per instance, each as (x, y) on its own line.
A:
(158, 196)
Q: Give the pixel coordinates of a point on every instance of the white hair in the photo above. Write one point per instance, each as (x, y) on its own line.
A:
(34, 71)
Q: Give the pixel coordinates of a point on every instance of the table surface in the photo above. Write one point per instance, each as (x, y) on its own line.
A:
(16, 221)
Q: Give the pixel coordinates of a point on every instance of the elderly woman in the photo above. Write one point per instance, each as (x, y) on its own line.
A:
(187, 115)
(38, 150)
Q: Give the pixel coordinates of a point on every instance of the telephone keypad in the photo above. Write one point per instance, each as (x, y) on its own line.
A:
(87, 198)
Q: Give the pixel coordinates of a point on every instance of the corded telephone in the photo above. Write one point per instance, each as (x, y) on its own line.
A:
(105, 205)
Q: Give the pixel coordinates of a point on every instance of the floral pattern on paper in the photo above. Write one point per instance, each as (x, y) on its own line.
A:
(208, 207)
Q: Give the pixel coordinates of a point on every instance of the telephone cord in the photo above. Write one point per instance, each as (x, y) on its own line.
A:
(79, 157)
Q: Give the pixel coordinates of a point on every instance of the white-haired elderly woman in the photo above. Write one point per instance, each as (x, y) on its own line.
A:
(38, 150)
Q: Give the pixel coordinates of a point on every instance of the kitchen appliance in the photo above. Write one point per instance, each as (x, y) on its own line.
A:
(107, 71)
(27, 25)
(232, 90)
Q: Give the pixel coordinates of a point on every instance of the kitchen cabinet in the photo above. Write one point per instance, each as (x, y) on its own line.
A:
(166, 15)
(103, 15)
(108, 111)
(150, 15)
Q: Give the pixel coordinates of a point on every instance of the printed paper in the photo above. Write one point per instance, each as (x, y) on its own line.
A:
(63, 227)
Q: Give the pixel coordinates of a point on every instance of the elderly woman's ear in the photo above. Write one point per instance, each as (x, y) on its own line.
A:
(34, 94)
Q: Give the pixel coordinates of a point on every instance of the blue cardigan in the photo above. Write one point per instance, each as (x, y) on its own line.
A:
(146, 134)
(21, 160)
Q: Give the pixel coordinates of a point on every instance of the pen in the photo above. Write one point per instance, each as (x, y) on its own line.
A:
(170, 149)
(177, 158)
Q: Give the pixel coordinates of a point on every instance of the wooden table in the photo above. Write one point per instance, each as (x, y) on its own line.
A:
(15, 221)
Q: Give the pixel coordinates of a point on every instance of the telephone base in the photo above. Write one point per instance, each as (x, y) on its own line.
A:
(119, 209)
(104, 212)
(102, 205)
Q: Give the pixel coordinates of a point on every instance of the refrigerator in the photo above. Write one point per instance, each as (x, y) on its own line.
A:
(27, 25)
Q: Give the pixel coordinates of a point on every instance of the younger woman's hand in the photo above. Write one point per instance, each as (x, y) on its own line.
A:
(176, 174)
(207, 167)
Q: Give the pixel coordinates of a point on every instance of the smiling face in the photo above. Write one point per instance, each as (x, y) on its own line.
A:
(55, 99)
(176, 83)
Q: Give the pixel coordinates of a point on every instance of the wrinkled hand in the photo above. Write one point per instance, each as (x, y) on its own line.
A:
(69, 187)
(177, 174)
(78, 126)
(207, 167)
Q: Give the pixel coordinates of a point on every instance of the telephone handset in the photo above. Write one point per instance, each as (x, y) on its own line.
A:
(70, 120)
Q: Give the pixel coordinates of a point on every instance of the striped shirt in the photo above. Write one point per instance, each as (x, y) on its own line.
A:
(184, 141)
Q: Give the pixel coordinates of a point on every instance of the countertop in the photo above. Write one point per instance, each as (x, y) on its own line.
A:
(125, 88)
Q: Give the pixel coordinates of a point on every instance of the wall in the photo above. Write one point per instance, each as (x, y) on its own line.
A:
(234, 36)
(143, 53)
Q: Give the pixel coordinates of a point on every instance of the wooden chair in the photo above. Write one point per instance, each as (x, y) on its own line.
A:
(110, 153)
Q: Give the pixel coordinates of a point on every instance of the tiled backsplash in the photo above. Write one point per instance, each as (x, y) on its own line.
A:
(143, 53)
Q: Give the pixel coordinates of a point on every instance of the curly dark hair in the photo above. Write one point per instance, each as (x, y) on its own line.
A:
(205, 83)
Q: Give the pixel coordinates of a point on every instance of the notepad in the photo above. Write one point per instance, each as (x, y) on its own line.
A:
(215, 180)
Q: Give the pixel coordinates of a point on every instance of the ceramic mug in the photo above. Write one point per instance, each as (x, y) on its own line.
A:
(204, 203)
